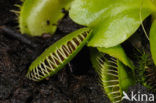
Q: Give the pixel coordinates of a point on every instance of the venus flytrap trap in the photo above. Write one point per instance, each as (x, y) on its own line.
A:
(115, 77)
(57, 55)
(41, 16)
(110, 80)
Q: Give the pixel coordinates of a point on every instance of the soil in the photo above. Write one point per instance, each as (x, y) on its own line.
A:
(75, 83)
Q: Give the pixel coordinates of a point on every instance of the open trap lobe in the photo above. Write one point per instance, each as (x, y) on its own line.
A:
(57, 58)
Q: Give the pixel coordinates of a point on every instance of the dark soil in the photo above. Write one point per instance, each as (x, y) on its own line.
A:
(76, 83)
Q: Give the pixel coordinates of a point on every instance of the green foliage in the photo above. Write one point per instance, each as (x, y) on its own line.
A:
(41, 16)
(113, 21)
(153, 41)
(57, 55)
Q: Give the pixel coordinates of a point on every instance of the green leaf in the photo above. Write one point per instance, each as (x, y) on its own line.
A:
(119, 53)
(113, 21)
(153, 41)
(41, 16)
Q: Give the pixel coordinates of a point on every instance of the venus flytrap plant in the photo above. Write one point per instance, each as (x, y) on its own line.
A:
(115, 77)
(111, 22)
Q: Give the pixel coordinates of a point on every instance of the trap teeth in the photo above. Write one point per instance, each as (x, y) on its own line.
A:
(57, 55)
(115, 77)
(109, 76)
(17, 5)
(15, 11)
